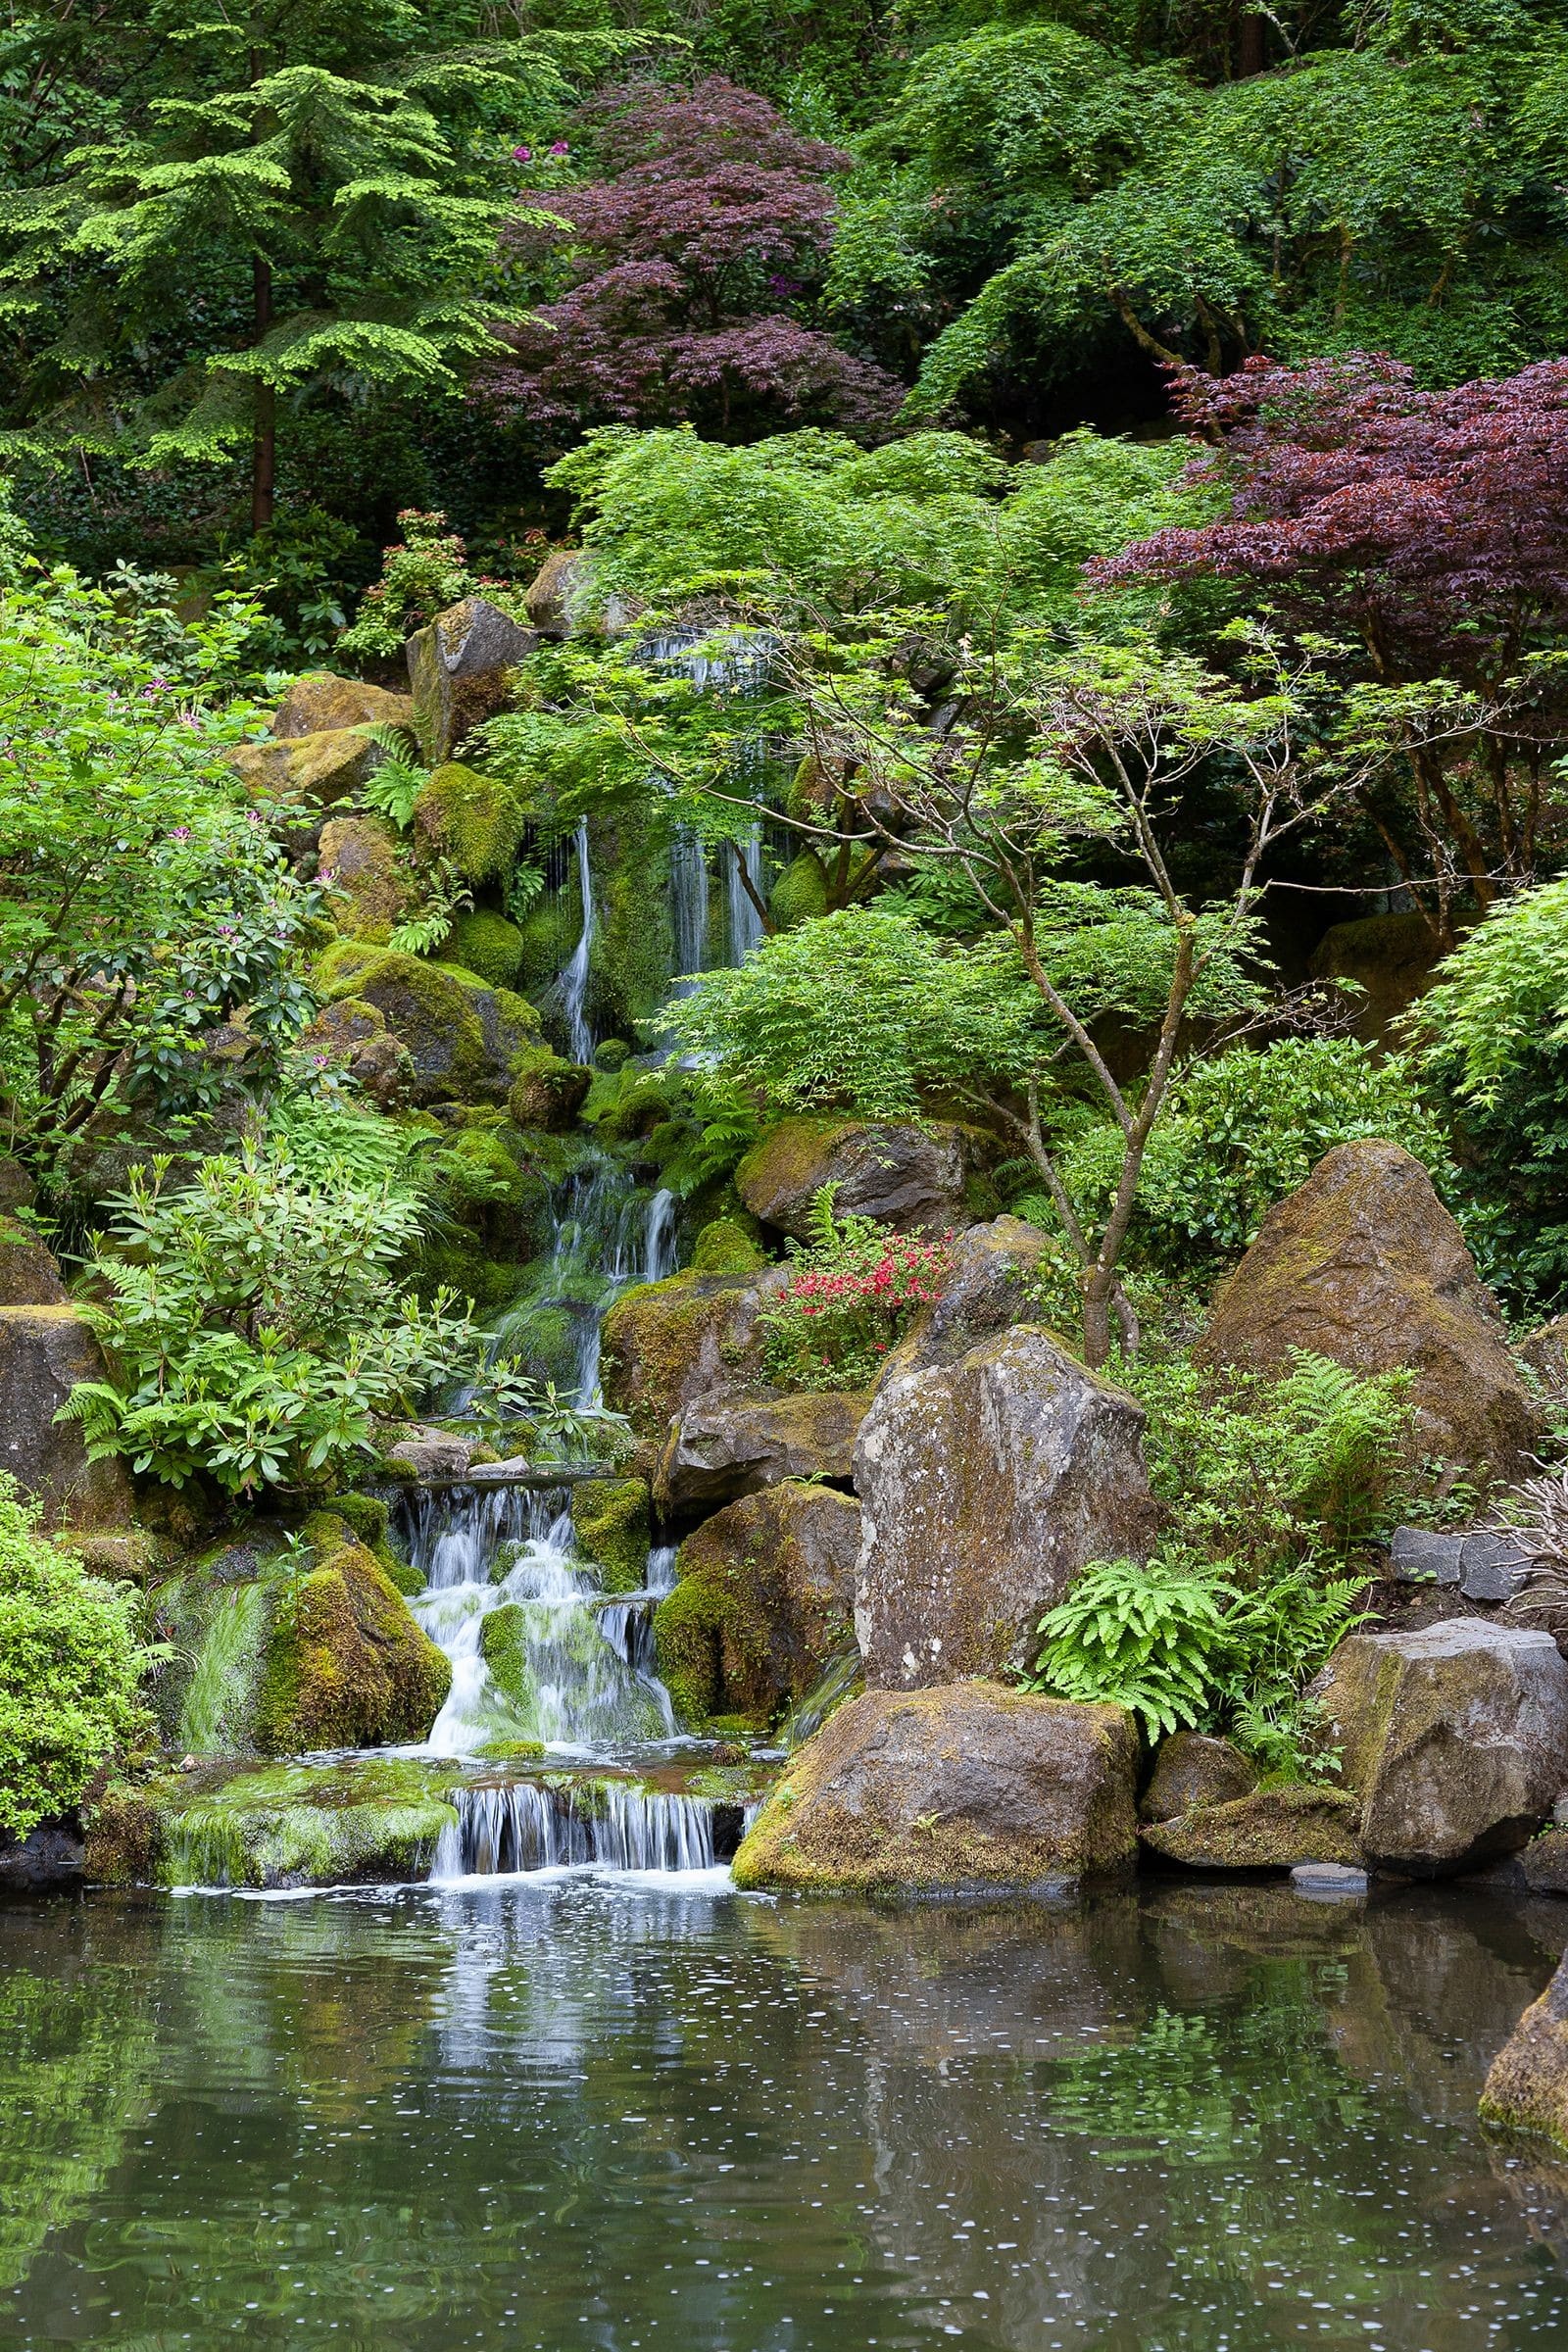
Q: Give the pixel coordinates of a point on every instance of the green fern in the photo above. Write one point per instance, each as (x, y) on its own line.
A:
(1140, 1636)
(400, 778)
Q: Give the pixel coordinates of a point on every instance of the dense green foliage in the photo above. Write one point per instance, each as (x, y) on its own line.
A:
(69, 1663)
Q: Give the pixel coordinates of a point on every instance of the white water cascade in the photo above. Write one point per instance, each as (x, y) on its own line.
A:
(574, 981)
(745, 922)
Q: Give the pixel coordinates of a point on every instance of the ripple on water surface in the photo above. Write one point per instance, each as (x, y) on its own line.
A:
(620, 2114)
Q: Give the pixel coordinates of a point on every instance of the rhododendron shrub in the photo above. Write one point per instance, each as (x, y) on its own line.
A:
(853, 1293)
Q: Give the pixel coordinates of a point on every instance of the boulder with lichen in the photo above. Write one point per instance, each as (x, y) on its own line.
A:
(1270, 1829)
(351, 1036)
(732, 1443)
(965, 1787)
(358, 868)
(45, 1350)
(1454, 1737)
(472, 820)
(1192, 1769)
(762, 1601)
(319, 701)
(1364, 1265)
(986, 1484)
(1526, 2085)
(346, 1664)
(917, 1179)
(29, 1271)
(667, 1343)
(464, 1040)
(611, 1520)
(318, 769)
(460, 672)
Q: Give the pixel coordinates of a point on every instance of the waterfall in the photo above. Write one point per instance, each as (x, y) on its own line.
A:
(688, 906)
(627, 1620)
(482, 1551)
(530, 1825)
(745, 923)
(574, 981)
(606, 1232)
(659, 1238)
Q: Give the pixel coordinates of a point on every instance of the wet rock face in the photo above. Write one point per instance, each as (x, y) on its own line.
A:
(319, 702)
(668, 1344)
(763, 1600)
(963, 1787)
(1455, 1738)
(1365, 1265)
(915, 1179)
(1272, 1828)
(985, 1486)
(726, 1445)
(1192, 1769)
(44, 1351)
(458, 671)
(1527, 2089)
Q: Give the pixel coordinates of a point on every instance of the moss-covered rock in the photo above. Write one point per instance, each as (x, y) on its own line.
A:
(612, 1521)
(1273, 1829)
(1526, 2088)
(473, 820)
(487, 945)
(965, 1787)
(353, 1036)
(370, 1821)
(727, 1445)
(464, 1040)
(915, 1179)
(503, 1646)
(318, 769)
(346, 1666)
(460, 668)
(1365, 1264)
(360, 1519)
(800, 894)
(666, 1344)
(319, 701)
(29, 1271)
(358, 866)
(765, 1598)
(1192, 1768)
(548, 1091)
(724, 1246)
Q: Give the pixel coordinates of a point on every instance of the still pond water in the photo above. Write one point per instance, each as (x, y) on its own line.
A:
(567, 2112)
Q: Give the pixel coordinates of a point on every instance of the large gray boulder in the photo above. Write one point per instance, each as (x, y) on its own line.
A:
(1365, 1264)
(1454, 1737)
(459, 670)
(730, 1444)
(988, 1288)
(936, 1792)
(986, 1484)
(668, 1344)
(915, 1179)
(44, 1352)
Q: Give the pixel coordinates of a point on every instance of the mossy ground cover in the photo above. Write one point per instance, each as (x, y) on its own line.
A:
(375, 1819)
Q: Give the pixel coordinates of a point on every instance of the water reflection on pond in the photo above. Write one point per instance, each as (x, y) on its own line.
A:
(573, 2113)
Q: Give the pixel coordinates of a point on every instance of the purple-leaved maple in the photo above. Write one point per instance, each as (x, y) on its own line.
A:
(1430, 528)
(711, 219)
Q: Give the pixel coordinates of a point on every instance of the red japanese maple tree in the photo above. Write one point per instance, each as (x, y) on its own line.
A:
(1433, 527)
(688, 261)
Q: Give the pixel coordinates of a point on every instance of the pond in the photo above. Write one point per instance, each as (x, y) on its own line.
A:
(619, 2112)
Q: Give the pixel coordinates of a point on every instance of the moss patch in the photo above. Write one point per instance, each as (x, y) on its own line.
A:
(611, 1520)
(464, 1040)
(470, 818)
(799, 894)
(487, 945)
(369, 1820)
(346, 1665)
(1274, 1829)
(725, 1247)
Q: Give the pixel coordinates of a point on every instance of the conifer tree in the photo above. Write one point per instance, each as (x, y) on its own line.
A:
(308, 207)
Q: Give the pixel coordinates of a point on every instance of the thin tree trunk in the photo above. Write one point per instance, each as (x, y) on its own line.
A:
(263, 438)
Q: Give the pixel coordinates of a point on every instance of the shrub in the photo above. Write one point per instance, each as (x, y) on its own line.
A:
(254, 1324)
(1493, 1038)
(69, 1662)
(1244, 1130)
(851, 1293)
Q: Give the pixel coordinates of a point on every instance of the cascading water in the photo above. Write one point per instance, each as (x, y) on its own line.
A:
(745, 919)
(688, 907)
(606, 1232)
(573, 982)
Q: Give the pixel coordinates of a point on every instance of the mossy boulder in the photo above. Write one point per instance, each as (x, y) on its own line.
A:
(503, 1646)
(987, 1485)
(1527, 2087)
(370, 1821)
(732, 1443)
(464, 1040)
(926, 1179)
(765, 1597)
(1365, 1264)
(1392, 958)
(315, 771)
(319, 701)
(612, 1521)
(459, 670)
(353, 1036)
(1273, 1829)
(1190, 1769)
(473, 820)
(801, 893)
(29, 1271)
(548, 1091)
(487, 945)
(724, 1246)
(360, 1519)
(346, 1666)
(44, 1352)
(665, 1343)
(1455, 1738)
(994, 1272)
(963, 1788)
(358, 866)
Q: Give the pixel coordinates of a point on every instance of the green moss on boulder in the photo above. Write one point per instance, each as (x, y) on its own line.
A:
(487, 945)
(346, 1666)
(464, 1040)
(473, 819)
(1274, 1829)
(666, 1344)
(370, 1821)
(611, 1520)
(800, 894)
(547, 1093)
(725, 1247)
